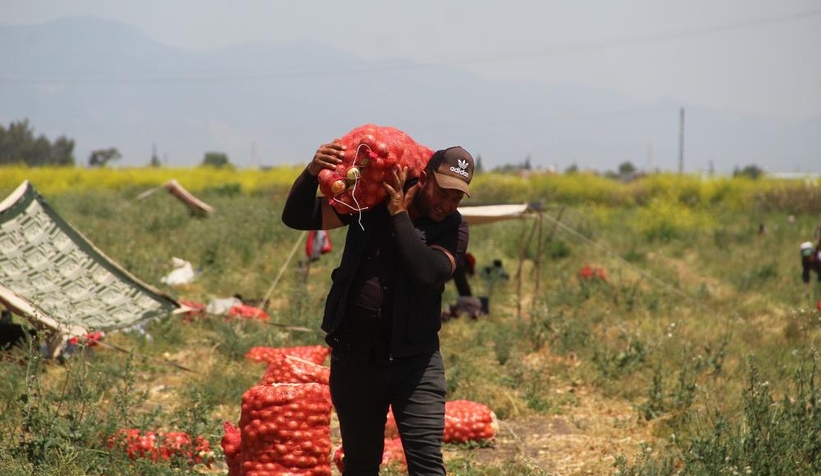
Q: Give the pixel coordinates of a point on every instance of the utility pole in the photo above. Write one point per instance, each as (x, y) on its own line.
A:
(681, 141)
(155, 160)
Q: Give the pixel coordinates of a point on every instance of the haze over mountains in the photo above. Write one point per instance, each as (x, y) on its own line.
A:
(105, 84)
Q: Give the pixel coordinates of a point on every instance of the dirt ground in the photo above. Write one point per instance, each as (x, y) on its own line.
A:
(584, 441)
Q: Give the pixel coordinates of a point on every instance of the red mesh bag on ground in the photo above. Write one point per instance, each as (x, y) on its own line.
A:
(231, 446)
(589, 272)
(196, 309)
(464, 421)
(289, 369)
(373, 152)
(136, 443)
(469, 421)
(312, 353)
(179, 444)
(286, 430)
(244, 311)
(162, 445)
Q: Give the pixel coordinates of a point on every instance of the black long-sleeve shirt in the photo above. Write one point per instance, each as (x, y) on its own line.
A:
(405, 288)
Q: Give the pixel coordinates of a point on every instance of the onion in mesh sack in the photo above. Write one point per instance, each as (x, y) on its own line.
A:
(286, 429)
(469, 421)
(372, 154)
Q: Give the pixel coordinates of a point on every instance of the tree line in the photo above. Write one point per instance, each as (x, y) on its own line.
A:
(20, 146)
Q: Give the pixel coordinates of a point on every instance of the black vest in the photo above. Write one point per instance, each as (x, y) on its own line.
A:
(416, 312)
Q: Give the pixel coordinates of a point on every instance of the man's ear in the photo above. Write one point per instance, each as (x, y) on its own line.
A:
(423, 177)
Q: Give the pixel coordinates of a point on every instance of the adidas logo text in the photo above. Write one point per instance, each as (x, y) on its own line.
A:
(459, 171)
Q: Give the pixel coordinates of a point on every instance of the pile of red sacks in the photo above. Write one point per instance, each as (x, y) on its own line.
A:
(284, 425)
(288, 413)
(162, 446)
(373, 152)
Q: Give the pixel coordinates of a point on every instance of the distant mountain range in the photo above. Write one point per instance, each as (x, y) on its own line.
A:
(106, 84)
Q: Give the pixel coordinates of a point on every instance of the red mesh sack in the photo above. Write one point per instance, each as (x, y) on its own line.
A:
(245, 311)
(231, 445)
(178, 444)
(289, 369)
(195, 309)
(136, 443)
(589, 272)
(469, 421)
(286, 430)
(162, 445)
(312, 353)
(372, 154)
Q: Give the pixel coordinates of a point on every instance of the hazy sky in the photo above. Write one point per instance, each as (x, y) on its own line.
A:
(747, 56)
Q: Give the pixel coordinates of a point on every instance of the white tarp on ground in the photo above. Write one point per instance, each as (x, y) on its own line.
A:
(476, 215)
(54, 276)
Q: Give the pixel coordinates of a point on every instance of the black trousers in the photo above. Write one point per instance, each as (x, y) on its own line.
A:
(414, 387)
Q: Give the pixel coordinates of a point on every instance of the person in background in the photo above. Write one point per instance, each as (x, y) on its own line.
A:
(810, 261)
(317, 244)
(466, 302)
(383, 310)
(12, 334)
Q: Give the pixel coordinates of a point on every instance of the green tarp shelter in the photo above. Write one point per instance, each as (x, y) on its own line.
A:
(55, 277)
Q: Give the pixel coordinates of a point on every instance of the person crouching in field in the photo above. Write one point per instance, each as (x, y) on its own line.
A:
(466, 303)
(810, 261)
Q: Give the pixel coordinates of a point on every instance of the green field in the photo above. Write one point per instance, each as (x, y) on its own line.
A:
(696, 356)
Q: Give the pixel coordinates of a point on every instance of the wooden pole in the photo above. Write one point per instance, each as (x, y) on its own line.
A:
(524, 243)
(265, 300)
(555, 224)
(538, 260)
(519, 272)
